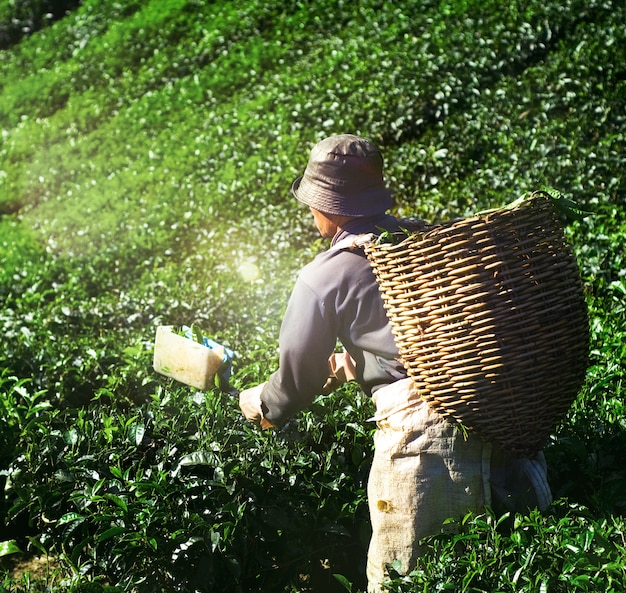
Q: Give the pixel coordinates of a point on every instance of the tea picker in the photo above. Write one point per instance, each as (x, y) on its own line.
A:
(452, 330)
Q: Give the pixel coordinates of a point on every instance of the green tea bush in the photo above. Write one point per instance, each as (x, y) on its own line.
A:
(19, 19)
(565, 550)
(146, 155)
(178, 495)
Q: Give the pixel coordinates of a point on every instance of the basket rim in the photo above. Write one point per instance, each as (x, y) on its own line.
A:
(486, 217)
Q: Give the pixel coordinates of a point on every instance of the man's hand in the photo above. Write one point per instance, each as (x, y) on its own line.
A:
(252, 407)
(342, 369)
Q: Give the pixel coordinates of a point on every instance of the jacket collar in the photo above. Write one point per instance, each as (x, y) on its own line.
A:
(361, 226)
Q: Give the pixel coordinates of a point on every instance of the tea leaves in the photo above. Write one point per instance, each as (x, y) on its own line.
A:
(146, 156)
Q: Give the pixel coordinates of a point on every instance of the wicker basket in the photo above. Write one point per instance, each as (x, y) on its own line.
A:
(490, 320)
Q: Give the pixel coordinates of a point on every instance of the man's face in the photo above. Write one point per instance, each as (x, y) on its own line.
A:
(326, 227)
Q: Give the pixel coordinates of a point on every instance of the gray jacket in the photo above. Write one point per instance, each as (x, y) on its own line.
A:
(335, 298)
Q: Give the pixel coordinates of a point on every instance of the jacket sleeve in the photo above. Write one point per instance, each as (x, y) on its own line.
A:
(308, 336)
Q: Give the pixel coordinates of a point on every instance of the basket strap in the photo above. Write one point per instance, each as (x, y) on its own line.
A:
(486, 472)
(353, 242)
(536, 474)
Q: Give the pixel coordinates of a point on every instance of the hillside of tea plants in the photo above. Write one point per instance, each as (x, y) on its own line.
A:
(147, 151)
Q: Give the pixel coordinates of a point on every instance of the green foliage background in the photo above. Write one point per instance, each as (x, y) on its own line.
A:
(146, 155)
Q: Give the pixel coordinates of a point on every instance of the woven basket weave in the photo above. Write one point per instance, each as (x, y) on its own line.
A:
(490, 319)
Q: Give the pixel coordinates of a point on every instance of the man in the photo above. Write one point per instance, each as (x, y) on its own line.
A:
(425, 469)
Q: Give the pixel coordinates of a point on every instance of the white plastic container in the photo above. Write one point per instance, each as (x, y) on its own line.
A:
(186, 360)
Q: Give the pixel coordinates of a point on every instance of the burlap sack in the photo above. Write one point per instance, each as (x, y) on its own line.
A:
(426, 470)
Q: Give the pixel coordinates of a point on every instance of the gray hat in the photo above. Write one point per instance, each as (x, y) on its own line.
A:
(344, 176)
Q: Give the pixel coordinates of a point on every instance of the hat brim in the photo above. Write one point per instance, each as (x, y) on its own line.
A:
(370, 203)
(295, 186)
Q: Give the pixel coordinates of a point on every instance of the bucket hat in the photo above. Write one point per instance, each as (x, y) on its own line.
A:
(344, 176)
